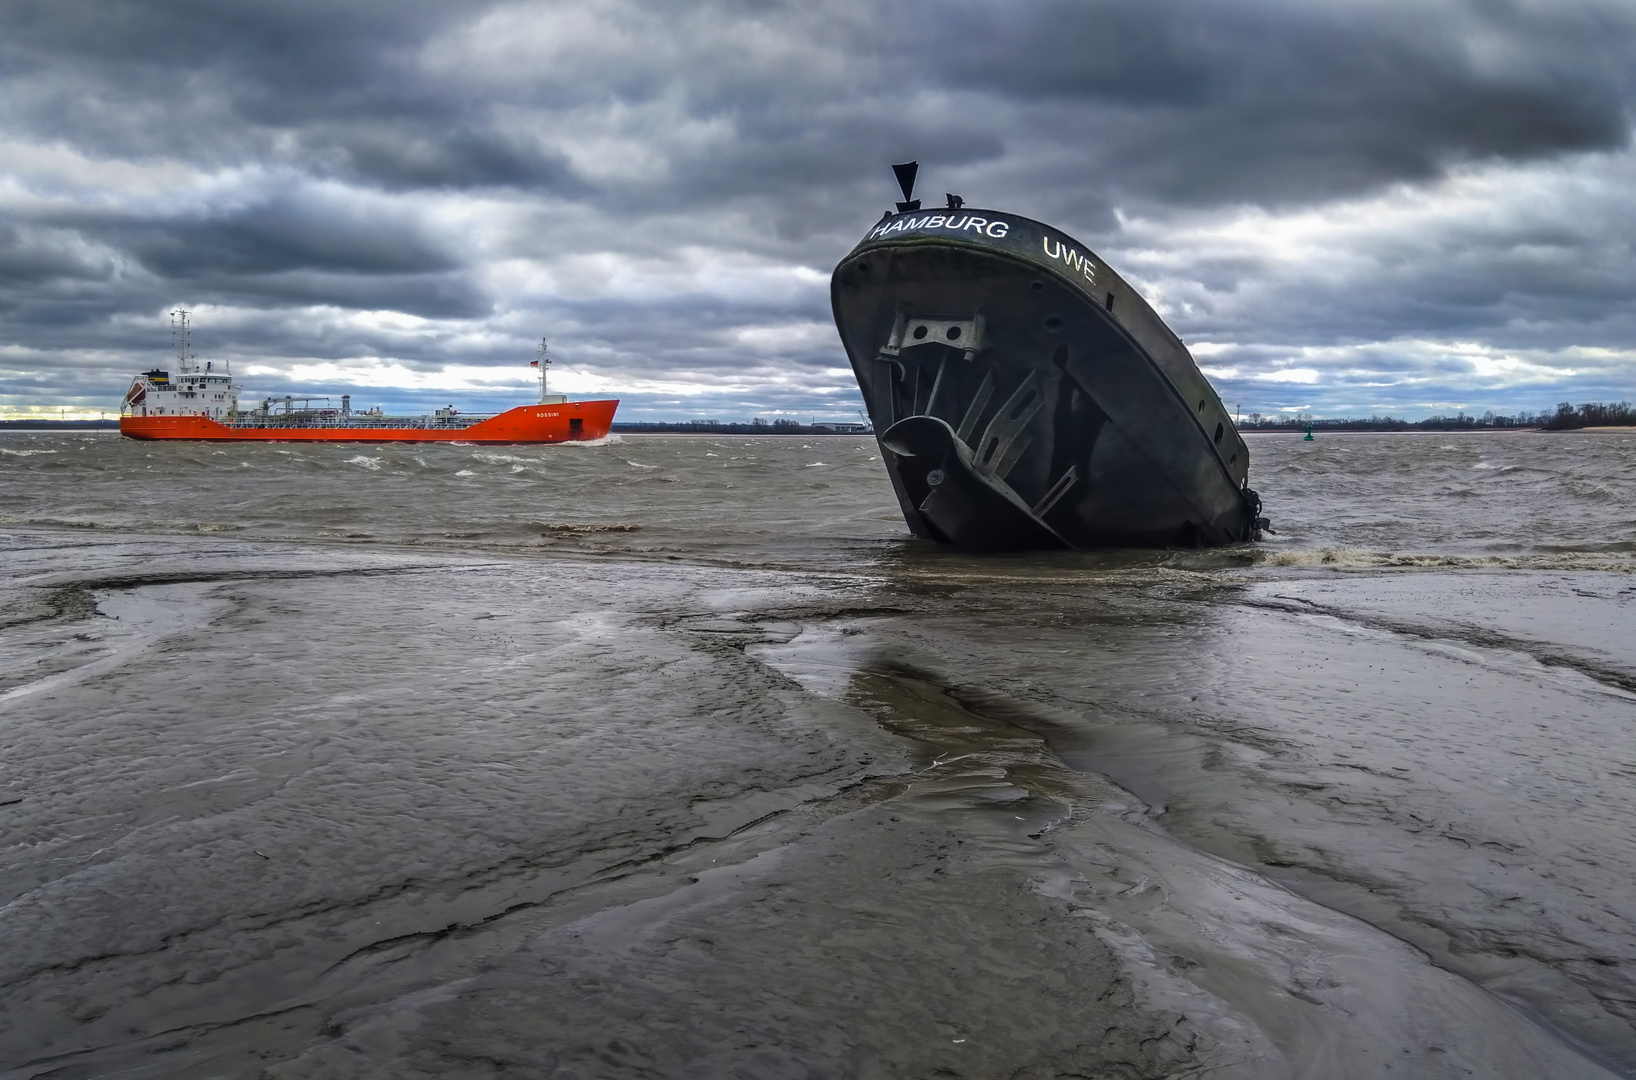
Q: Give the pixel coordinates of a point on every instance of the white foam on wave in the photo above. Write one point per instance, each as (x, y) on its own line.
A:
(815, 464)
(373, 464)
(25, 453)
(1345, 558)
(639, 465)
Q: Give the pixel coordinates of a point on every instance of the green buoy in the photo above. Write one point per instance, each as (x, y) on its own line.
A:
(1309, 432)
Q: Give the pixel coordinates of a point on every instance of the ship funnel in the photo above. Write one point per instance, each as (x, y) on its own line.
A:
(906, 180)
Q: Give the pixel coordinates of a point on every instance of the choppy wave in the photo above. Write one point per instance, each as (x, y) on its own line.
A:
(585, 528)
(1494, 502)
(1339, 558)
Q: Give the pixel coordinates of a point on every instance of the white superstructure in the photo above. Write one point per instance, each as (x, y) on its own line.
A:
(190, 390)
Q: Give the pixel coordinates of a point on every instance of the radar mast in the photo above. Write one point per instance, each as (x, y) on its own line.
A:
(544, 362)
(181, 336)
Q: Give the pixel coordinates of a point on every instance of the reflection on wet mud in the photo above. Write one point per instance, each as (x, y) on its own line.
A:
(1276, 985)
(1456, 797)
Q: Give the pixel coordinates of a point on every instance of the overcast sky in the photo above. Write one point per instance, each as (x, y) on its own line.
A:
(1343, 207)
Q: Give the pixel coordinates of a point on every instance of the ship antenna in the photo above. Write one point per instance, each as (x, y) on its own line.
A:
(182, 338)
(545, 362)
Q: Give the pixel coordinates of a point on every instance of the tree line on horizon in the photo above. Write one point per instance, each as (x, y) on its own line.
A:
(1566, 417)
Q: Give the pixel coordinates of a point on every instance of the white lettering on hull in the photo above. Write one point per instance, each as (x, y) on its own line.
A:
(1073, 259)
(964, 223)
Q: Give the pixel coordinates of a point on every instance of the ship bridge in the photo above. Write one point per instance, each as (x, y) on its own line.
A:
(191, 390)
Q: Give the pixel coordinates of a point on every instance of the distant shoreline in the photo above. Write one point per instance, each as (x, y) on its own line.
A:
(1534, 430)
(807, 430)
(1319, 429)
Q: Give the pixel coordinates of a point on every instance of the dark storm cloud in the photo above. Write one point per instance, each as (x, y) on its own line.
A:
(281, 234)
(292, 246)
(606, 168)
(35, 257)
(1267, 101)
(405, 157)
(274, 59)
(1202, 102)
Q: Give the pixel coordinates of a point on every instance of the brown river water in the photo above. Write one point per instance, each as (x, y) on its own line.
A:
(676, 757)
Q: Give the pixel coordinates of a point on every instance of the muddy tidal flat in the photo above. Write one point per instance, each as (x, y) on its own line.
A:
(675, 757)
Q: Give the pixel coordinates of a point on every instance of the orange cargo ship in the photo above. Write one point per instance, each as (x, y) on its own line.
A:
(203, 403)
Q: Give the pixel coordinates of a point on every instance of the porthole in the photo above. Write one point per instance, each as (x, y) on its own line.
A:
(1221, 430)
(1037, 286)
(920, 332)
(1053, 323)
(954, 333)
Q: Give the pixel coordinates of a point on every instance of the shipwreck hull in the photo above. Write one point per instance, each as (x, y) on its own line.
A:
(1025, 396)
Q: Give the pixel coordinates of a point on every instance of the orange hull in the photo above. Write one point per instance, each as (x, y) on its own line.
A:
(526, 424)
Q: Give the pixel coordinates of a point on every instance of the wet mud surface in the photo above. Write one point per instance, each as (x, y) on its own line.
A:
(615, 803)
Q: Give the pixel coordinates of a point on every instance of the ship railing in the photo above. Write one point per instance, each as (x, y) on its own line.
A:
(333, 420)
(396, 423)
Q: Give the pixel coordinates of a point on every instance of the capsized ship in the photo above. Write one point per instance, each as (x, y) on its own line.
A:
(1026, 397)
(202, 402)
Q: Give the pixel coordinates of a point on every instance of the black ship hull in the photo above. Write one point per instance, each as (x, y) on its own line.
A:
(1026, 397)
